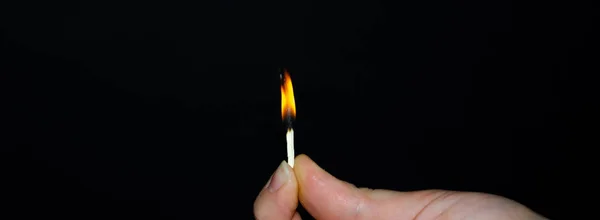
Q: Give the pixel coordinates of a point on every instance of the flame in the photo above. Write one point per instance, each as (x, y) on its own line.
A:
(288, 105)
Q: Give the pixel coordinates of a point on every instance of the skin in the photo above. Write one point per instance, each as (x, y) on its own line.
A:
(326, 197)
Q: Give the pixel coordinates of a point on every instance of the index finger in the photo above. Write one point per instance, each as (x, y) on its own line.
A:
(279, 198)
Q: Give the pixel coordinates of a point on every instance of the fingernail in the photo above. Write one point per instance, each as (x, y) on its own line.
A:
(280, 177)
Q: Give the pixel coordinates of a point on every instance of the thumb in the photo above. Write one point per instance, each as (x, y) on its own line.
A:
(325, 197)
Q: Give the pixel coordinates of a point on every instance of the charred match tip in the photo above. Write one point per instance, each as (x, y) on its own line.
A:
(288, 122)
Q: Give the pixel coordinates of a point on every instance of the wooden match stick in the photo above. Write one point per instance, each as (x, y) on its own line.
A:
(289, 137)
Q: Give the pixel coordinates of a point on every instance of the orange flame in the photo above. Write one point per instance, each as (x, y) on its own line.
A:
(288, 105)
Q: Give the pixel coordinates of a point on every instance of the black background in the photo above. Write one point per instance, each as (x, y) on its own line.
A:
(171, 110)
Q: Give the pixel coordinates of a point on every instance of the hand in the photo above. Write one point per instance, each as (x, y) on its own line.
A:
(326, 197)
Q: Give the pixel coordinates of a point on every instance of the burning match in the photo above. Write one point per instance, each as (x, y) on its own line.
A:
(288, 113)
